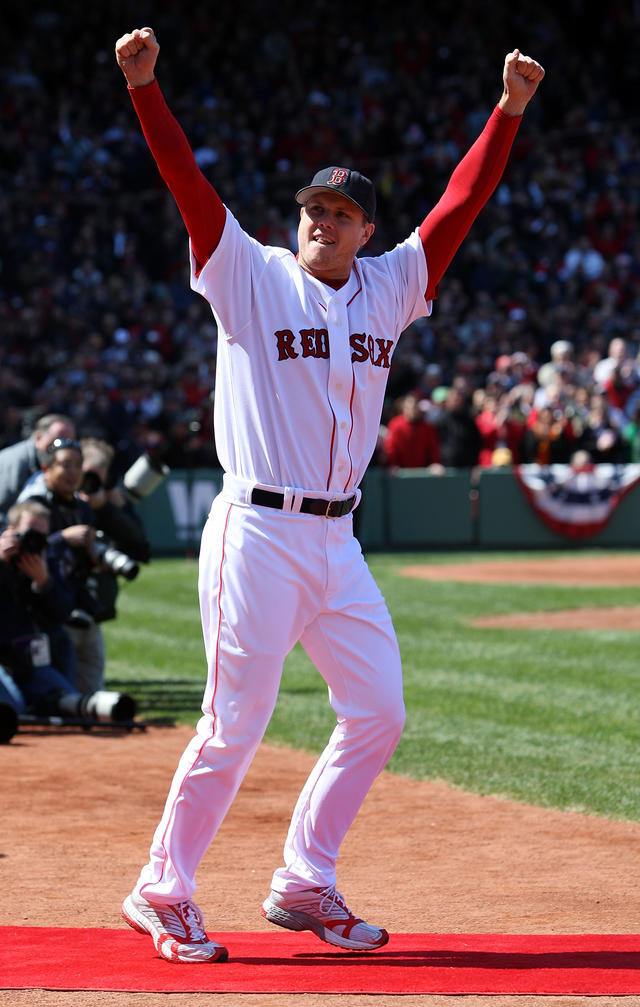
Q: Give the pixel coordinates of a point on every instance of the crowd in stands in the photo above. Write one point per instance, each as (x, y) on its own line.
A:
(523, 414)
(96, 315)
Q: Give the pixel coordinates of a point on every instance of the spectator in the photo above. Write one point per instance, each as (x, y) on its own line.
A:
(503, 371)
(411, 441)
(581, 257)
(581, 461)
(600, 437)
(555, 395)
(617, 359)
(35, 604)
(618, 389)
(501, 458)
(23, 459)
(561, 364)
(501, 425)
(458, 435)
(549, 440)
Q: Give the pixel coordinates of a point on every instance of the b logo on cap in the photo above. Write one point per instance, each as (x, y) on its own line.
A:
(339, 176)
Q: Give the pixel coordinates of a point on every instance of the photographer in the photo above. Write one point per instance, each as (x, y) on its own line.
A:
(37, 670)
(20, 461)
(81, 535)
(114, 512)
(120, 539)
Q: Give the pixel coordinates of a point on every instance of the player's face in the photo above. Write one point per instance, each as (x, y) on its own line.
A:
(331, 231)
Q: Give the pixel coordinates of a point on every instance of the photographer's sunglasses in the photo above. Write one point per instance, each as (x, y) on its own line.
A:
(63, 442)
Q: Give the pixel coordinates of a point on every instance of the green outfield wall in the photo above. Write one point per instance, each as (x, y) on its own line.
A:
(410, 509)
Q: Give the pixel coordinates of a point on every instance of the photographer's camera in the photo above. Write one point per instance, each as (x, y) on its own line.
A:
(144, 476)
(91, 482)
(31, 541)
(113, 560)
(104, 706)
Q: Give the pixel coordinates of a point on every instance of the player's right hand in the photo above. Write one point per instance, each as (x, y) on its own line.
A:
(136, 54)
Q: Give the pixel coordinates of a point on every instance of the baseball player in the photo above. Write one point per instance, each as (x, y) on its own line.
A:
(305, 343)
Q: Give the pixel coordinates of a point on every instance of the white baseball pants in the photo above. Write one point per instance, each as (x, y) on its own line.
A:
(268, 579)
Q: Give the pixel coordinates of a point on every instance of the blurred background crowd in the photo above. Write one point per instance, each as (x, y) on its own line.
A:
(532, 349)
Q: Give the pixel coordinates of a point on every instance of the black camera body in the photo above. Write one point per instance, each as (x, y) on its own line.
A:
(31, 541)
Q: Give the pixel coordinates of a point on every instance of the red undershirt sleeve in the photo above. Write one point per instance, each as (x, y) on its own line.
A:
(470, 186)
(200, 205)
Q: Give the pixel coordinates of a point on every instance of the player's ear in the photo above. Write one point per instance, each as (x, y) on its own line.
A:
(367, 231)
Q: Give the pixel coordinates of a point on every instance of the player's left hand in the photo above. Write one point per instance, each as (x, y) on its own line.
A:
(520, 78)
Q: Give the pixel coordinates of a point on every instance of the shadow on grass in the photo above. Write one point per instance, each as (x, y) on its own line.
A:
(164, 700)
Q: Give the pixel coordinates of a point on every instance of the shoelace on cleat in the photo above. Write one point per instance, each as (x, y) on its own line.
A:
(192, 922)
(332, 900)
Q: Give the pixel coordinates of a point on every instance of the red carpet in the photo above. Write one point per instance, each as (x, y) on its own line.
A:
(70, 959)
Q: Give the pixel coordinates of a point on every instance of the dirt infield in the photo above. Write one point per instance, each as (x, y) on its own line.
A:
(615, 571)
(79, 810)
(626, 619)
(574, 571)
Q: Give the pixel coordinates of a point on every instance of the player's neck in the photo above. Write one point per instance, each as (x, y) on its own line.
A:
(331, 281)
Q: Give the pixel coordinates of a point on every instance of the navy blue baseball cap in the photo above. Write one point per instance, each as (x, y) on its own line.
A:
(356, 187)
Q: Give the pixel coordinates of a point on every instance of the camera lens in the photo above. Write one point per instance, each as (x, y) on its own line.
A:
(91, 482)
(115, 561)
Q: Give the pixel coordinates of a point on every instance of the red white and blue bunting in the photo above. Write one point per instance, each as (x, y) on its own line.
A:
(574, 502)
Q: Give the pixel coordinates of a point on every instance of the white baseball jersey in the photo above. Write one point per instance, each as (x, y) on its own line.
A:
(301, 367)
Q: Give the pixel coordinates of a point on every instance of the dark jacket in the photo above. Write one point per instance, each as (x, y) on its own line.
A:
(459, 438)
(25, 612)
(95, 590)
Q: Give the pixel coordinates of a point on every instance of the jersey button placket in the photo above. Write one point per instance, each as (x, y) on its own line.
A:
(339, 388)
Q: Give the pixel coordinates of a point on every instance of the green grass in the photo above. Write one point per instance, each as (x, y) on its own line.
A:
(547, 717)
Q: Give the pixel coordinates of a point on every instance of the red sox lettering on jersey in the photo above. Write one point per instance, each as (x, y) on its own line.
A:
(315, 343)
(299, 404)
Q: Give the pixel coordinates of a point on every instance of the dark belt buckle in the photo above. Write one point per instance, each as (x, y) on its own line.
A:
(338, 508)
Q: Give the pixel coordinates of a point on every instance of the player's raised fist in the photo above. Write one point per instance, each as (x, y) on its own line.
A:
(520, 78)
(136, 53)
